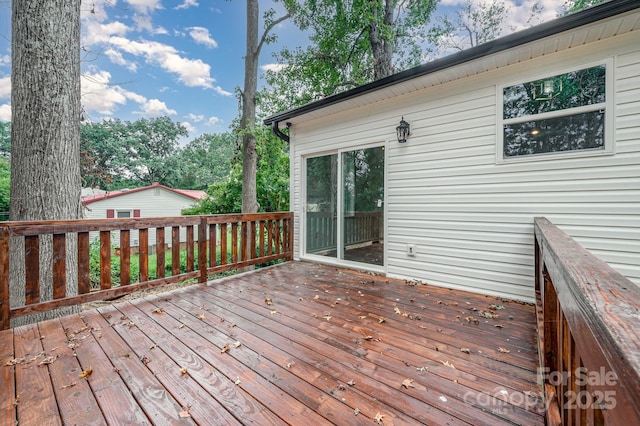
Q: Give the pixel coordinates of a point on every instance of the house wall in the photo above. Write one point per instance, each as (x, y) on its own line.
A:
(153, 202)
(470, 218)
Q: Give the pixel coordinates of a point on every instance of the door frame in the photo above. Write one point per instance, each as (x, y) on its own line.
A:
(339, 259)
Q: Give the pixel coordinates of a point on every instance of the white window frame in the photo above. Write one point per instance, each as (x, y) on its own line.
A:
(118, 211)
(607, 107)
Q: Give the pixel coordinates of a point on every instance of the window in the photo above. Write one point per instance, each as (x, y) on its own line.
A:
(559, 113)
(123, 213)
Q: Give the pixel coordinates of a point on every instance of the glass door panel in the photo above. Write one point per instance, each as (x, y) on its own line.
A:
(322, 205)
(362, 206)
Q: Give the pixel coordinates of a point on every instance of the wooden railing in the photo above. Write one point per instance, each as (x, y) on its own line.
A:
(224, 242)
(589, 328)
(361, 227)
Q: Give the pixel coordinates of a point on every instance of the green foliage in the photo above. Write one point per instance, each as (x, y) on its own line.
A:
(473, 24)
(204, 161)
(5, 139)
(348, 41)
(141, 151)
(5, 185)
(272, 180)
(577, 5)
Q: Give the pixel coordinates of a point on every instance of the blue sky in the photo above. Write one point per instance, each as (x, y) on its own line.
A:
(181, 58)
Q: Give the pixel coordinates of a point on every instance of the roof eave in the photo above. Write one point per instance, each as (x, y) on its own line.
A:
(575, 20)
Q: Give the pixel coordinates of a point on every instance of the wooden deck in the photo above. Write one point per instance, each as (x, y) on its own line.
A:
(298, 343)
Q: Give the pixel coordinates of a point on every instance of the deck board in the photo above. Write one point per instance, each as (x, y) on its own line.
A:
(305, 346)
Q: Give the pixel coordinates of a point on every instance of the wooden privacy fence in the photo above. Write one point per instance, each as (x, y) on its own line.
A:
(589, 327)
(214, 244)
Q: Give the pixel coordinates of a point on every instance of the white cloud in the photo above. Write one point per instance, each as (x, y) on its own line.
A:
(187, 4)
(117, 58)
(188, 126)
(98, 95)
(201, 36)
(5, 60)
(191, 72)
(143, 23)
(273, 67)
(96, 32)
(145, 6)
(5, 112)
(195, 118)
(5, 87)
(212, 121)
(155, 108)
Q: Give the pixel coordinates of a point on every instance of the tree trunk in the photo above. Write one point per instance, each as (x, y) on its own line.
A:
(381, 42)
(45, 132)
(248, 119)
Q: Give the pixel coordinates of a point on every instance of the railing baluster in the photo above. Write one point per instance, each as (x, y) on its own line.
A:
(261, 238)
(244, 240)
(143, 255)
(105, 260)
(234, 242)
(125, 257)
(190, 245)
(269, 236)
(59, 266)
(252, 238)
(32, 269)
(175, 250)
(160, 252)
(84, 277)
(212, 244)
(223, 244)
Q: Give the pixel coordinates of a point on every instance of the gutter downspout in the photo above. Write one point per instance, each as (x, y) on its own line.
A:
(276, 130)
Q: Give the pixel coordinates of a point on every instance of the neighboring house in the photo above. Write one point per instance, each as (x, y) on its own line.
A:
(543, 122)
(150, 201)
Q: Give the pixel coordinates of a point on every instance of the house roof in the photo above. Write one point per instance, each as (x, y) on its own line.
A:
(189, 193)
(400, 83)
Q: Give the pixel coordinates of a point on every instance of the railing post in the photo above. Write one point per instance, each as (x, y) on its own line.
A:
(5, 308)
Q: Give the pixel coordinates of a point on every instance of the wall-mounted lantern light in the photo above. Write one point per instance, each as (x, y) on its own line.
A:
(403, 131)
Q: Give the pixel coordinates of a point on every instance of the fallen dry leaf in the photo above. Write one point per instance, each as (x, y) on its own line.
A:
(153, 346)
(184, 414)
(316, 297)
(268, 301)
(237, 344)
(157, 311)
(408, 383)
(327, 317)
(202, 317)
(237, 382)
(465, 350)
(448, 364)
(351, 383)
(181, 326)
(356, 411)
(378, 418)
(70, 385)
(224, 349)
(362, 316)
(381, 320)
(397, 310)
(503, 350)
(86, 373)
(273, 311)
(47, 360)
(183, 371)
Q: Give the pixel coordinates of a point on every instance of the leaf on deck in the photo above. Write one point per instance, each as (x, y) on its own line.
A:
(268, 301)
(157, 311)
(86, 373)
(378, 418)
(224, 349)
(446, 363)
(503, 350)
(465, 350)
(408, 383)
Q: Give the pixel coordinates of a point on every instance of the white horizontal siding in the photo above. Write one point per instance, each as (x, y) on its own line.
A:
(471, 219)
(153, 202)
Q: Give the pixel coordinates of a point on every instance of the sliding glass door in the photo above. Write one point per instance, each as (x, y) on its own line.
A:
(351, 183)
